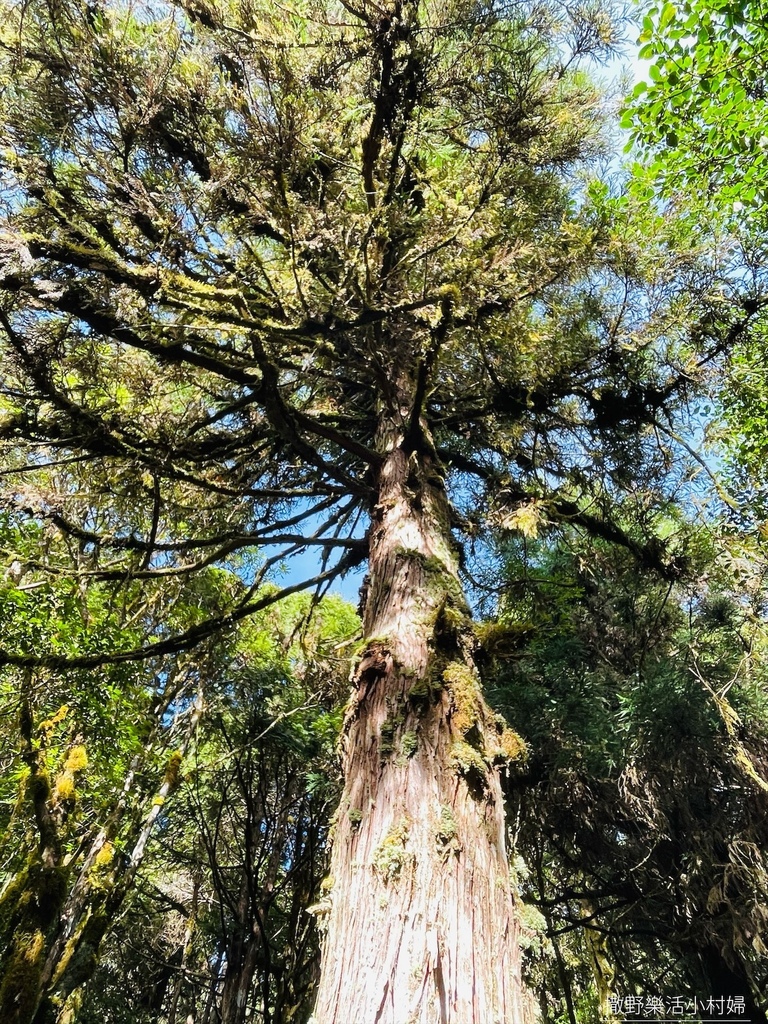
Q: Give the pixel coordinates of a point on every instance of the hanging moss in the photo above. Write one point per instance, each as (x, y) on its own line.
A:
(451, 620)
(512, 745)
(77, 759)
(105, 855)
(65, 788)
(172, 769)
(49, 724)
(470, 764)
(502, 639)
(467, 759)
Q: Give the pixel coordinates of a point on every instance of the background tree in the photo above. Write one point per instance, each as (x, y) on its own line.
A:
(332, 278)
(641, 814)
(703, 115)
(220, 924)
(94, 761)
(90, 758)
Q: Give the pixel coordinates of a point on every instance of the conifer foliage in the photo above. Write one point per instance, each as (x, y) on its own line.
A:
(330, 276)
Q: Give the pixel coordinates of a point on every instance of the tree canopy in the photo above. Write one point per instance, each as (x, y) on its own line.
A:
(224, 226)
(345, 277)
(705, 101)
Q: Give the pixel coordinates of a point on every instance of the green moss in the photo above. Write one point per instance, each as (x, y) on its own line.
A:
(65, 788)
(375, 644)
(21, 976)
(467, 759)
(451, 619)
(502, 639)
(446, 827)
(355, 817)
(77, 759)
(391, 856)
(470, 764)
(387, 737)
(447, 823)
(439, 580)
(410, 554)
(409, 744)
(425, 691)
(465, 694)
(513, 746)
(33, 899)
(434, 565)
(76, 762)
(9, 905)
(447, 833)
(510, 745)
(75, 969)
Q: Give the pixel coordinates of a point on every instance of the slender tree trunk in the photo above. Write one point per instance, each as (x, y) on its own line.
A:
(189, 935)
(238, 983)
(421, 926)
(213, 988)
(249, 942)
(68, 954)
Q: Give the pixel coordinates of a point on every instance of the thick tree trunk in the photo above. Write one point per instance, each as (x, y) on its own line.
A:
(725, 980)
(421, 925)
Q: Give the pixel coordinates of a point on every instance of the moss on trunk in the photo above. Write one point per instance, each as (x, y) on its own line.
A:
(422, 924)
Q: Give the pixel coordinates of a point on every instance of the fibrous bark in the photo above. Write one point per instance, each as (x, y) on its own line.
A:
(421, 922)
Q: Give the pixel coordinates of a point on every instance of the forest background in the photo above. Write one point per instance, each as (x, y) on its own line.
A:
(369, 281)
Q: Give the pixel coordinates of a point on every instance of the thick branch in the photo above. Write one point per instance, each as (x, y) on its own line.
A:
(182, 641)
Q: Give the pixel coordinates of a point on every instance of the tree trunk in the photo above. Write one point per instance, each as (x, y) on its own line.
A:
(725, 981)
(238, 982)
(421, 925)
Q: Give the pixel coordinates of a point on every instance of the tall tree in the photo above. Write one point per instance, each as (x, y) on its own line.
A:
(327, 277)
(643, 804)
(90, 760)
(220, 924)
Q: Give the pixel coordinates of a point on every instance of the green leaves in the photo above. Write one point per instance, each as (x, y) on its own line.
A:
(627, 692)
(705, 102)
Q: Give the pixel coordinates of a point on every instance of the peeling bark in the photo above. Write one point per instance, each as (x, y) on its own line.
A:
(421, 925)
